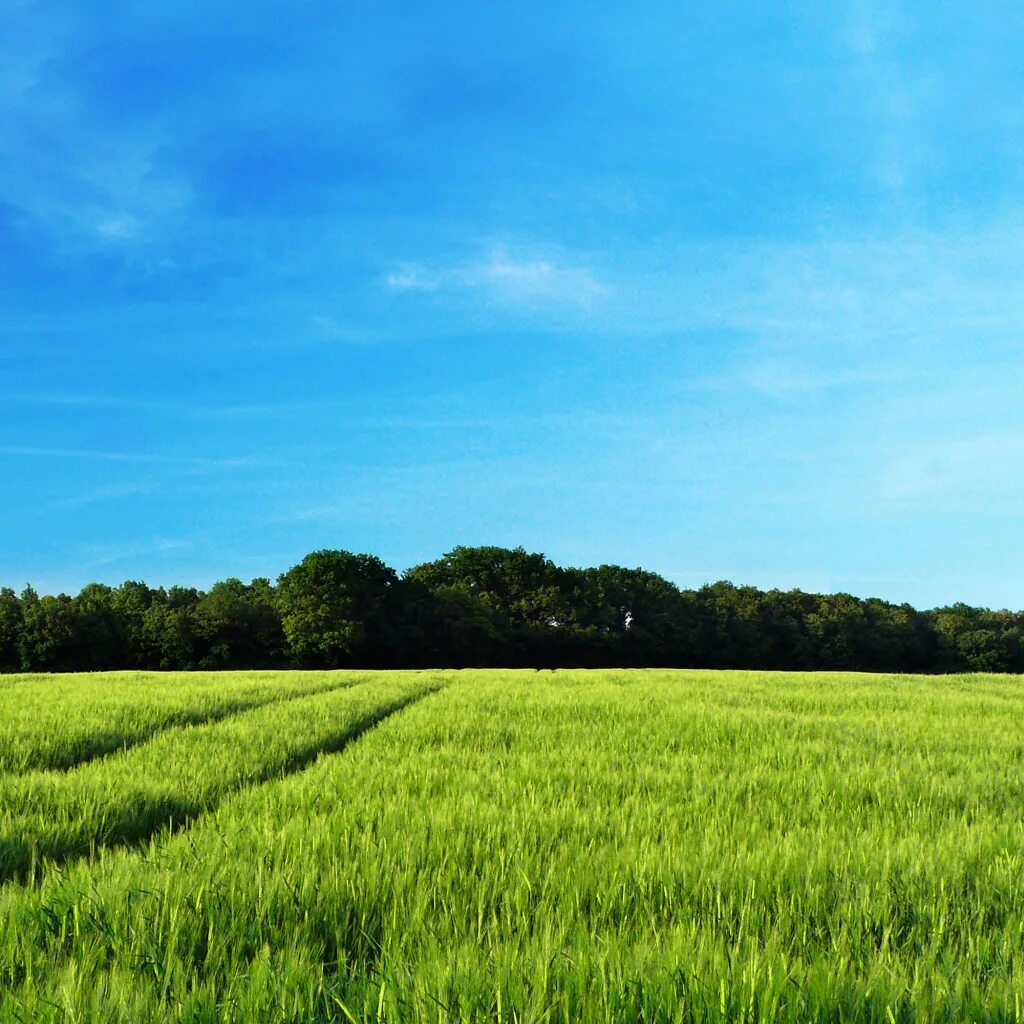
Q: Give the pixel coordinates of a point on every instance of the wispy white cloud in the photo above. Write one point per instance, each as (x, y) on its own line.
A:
(507, 277)
(110, 192)
(99, 555)
(107, 492)
(160, 407)
(790, 378)
(124, 226)
(111, 492)
(330, 327)
(892, 94)
(413, 277)
(880, 288)
(99, 455)
(89, 185)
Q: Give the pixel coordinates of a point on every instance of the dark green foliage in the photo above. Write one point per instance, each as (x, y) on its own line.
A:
(635, 617)
(132, 603)
(10, 629)
(49, 635)
(450, 625)
(98, 640)
(334, 607)
(491, 606)
(239, 626)
(539, 609)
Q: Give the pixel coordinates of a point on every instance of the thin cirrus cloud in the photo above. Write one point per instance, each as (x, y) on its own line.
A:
(506, 278)
(180, 409)
(100, 555)
(794, 380)
(81, 180)
(870, 288)
(99, 455)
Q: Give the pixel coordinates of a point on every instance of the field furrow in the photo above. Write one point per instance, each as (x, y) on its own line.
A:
(48, 817)
(58, 722)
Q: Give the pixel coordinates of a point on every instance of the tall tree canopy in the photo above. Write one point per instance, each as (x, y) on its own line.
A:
(334, 605)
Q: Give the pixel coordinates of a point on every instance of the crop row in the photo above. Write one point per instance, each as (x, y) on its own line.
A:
(179, 774)
(55, 722)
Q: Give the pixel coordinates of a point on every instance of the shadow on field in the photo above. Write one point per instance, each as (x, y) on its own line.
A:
(147, 812)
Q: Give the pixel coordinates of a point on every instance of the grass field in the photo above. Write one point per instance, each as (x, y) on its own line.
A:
(613, 846)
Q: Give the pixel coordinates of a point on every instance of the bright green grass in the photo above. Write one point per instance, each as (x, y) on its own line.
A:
(605, 846)
(62, 720)
(55, 816)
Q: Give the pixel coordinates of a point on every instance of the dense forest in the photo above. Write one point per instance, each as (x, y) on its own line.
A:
(488, 606)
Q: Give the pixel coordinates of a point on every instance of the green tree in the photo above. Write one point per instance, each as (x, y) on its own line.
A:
(970, 639)
(10, 630)
(238, 625)
(335, 608)
(449, 627)
(131, 602)
(730, 631)
(100, 630)
(170, 637)
(531, 599)
(526, 588)
(48, 640)
(640, 617)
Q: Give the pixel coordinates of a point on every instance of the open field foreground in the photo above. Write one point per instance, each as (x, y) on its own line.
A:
(606, 846)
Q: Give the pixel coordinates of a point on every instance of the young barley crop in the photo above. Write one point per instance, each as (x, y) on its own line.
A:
(555, 847)
(56, 722)
(55, 816)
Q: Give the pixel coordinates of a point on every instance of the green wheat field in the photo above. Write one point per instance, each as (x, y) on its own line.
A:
(513, 846)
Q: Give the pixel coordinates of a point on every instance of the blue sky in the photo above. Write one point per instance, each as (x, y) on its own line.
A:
(728, 290)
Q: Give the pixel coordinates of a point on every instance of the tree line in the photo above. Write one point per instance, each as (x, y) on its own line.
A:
(490, 606)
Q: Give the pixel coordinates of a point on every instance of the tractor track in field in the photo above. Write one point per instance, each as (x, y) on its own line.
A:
(26, 862)
(112, 744)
